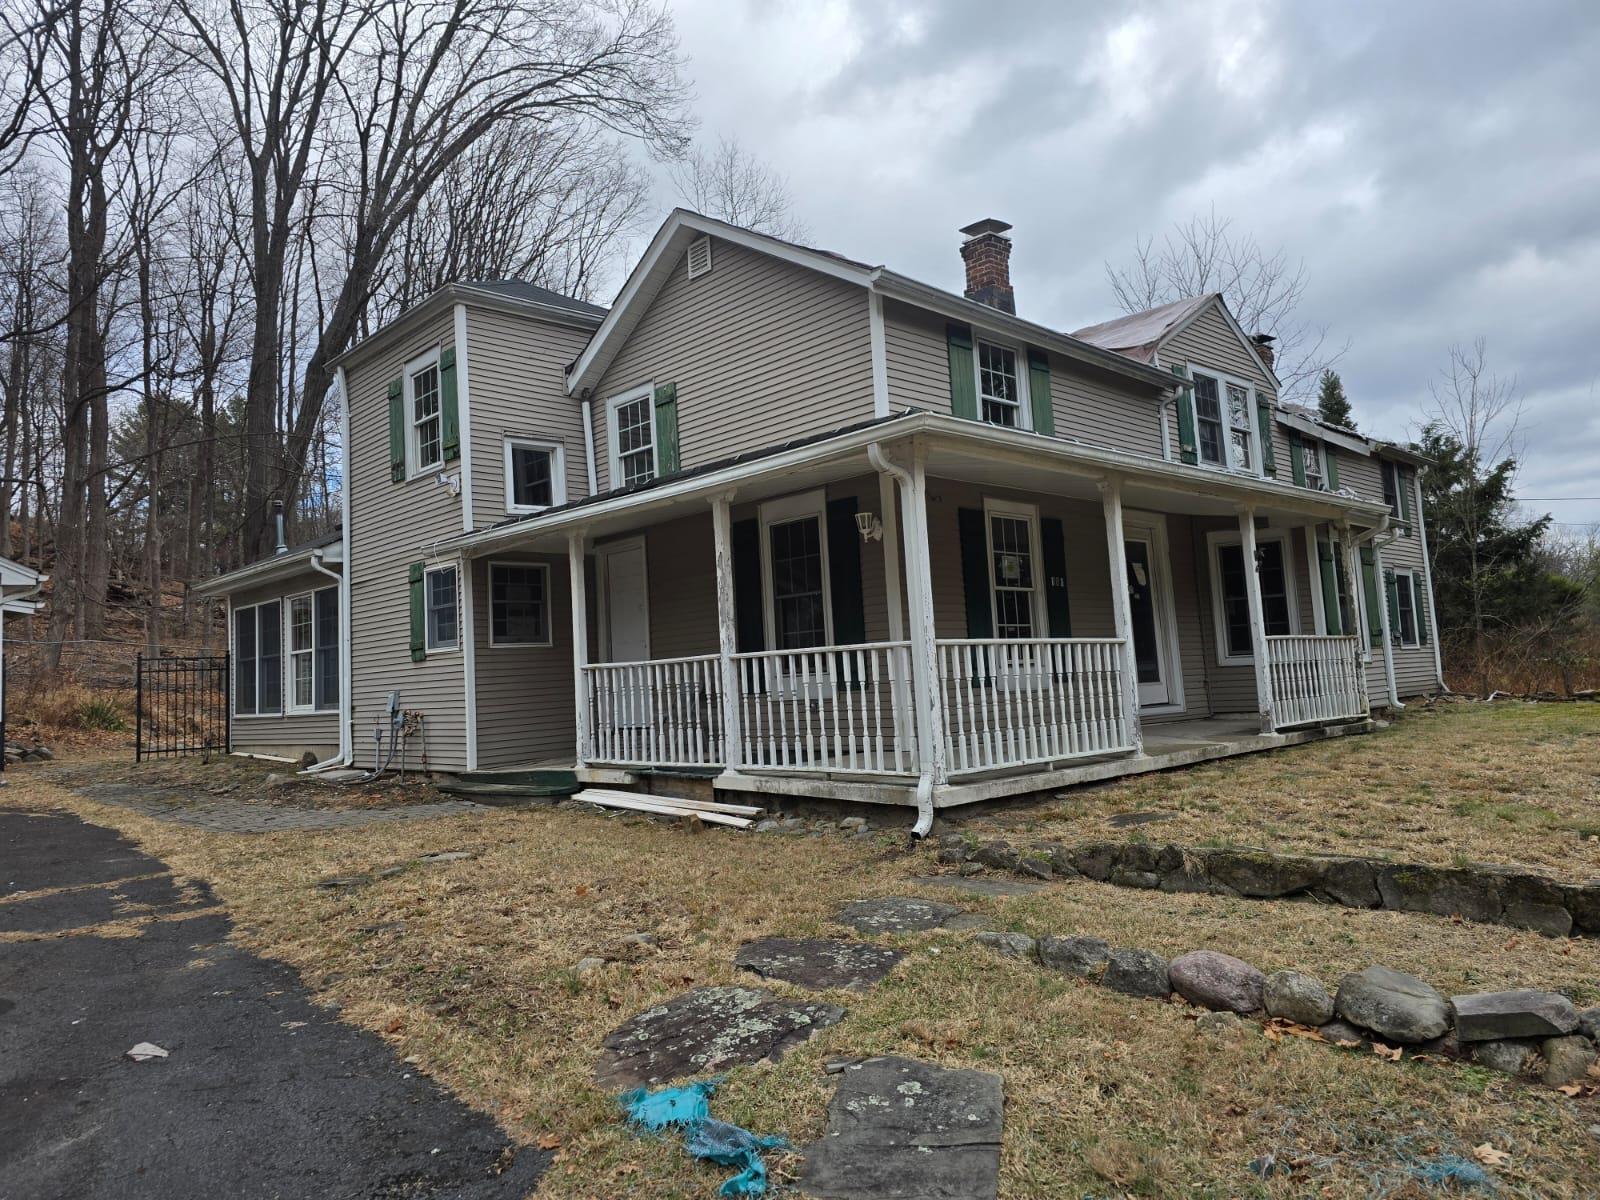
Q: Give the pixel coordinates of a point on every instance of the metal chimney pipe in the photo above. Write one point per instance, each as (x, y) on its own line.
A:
(277, 517)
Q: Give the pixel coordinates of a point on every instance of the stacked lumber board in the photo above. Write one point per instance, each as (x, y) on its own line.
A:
(736, 816)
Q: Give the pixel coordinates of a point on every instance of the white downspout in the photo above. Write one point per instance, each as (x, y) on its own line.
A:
(342, 758)
(588, 440)
(346, 674)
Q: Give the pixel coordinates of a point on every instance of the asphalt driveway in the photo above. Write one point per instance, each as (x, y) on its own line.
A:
(263, 1094)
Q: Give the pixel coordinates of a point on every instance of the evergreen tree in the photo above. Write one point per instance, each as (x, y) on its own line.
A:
(1332, 406)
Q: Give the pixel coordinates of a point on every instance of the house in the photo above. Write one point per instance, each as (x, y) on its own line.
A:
(19, 585)
(815, 528)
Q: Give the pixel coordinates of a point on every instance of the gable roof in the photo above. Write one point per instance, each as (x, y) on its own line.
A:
(1141, 335)
(532, 293)
(681, 227)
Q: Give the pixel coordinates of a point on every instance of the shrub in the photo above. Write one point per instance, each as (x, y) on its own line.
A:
(101, 715)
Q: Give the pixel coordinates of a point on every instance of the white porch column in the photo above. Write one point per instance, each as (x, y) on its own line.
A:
(900, 690)
(1358, 601)
(925, 691)
(578, 585)
(1383, 609)
(1121, 613)
(727, 642)
(1258, 621)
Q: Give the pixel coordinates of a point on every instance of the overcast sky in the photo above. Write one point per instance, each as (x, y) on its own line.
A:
(1435, 165)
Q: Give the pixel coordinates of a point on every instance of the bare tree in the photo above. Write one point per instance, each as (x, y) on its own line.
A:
(1263, 289)
(731, 184)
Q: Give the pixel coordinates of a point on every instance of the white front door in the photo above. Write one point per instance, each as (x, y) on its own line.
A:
(1150, 609)
(625, 617)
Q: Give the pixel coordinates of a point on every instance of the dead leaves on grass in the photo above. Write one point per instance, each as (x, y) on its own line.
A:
(1491, 1156)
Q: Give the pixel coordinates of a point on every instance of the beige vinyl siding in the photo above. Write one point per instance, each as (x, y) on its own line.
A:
(1210, 341)
(516, 368)
(390, 524)
(1089, 405)
(290, 734)
(762, 351)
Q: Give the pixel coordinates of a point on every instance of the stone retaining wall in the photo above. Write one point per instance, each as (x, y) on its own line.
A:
(1480, 892)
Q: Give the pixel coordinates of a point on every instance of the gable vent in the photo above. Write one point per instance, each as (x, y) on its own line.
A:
(700, 257)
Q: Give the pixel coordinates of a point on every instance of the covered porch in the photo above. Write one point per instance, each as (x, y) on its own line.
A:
(935, 611)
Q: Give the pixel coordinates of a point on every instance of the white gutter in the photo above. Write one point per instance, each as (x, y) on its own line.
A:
(342, 758)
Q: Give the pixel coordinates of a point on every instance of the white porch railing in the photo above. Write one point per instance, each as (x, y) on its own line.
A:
(1316, 678)
(666, 712)
(828, 709)
(1013, 702)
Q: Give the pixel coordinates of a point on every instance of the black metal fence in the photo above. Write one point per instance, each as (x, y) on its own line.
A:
(181, 706)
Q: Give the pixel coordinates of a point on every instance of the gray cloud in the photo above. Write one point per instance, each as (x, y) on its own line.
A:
(1436, 164)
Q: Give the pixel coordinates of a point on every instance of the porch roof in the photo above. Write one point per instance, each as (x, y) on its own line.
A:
(953, 447)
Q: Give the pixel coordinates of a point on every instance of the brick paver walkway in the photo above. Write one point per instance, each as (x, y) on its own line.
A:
(224, 814)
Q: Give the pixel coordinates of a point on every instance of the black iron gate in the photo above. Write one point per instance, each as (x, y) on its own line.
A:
(182, 706)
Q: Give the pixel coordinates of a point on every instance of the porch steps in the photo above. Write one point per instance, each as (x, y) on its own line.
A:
(507, 788)
(738, 816)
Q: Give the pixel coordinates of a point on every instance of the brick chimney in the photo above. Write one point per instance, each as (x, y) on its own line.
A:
(987, 253)
(1263, 343)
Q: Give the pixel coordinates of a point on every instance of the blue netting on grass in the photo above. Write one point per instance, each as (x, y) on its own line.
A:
(687, 1108)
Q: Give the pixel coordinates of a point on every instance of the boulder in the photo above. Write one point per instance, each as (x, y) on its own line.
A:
(1297, 997)
(1549, 919)
(1137, 858)
(1395, 1005)
(1342, 1033)
(1522, 1013)
(997, 856)
(1566, 1059)
(1589, 1024)
(1039, 868)
(1262, 875)
(1012, 945)
(1352, 882)
(1094, 860)
(1082, 956)
(1123, 877)
(1583, 902)
(1137, 973)
(1507, 1057)
(1443, 891)
(1217, 981)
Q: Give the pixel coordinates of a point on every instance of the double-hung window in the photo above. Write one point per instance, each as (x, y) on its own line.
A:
(258, 660)
(425, 427)
(796, 552)
(441, 610)
(999, 385)
(1231, 603)
(314, 651)
(1241, 427)
(1311, 459)
(633, 438)
(1391, 487)
(519, 604)
(1406, 605)
(1014, 570)
(1225, 423)
(535, 478)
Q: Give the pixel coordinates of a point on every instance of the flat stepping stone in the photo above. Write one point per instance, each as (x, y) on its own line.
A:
(818, 963)
(898, 1127)
(980, 885)
(895, 914)
(706, 1030)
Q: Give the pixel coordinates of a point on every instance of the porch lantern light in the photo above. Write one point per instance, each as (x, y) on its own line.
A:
(871, 528)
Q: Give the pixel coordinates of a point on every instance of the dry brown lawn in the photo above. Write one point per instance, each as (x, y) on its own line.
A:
(1459, 783)
(467, 967)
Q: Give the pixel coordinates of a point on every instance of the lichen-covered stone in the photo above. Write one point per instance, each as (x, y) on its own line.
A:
(895, 914)
(1583, 902)
(1391, 1003)
(1520, 1013)
(1443, 891)
(1262, 875)
(1094, 860)
(1566, 1059)
(1011, 945)
(1297, 997)
(1217, 981)
(997, 855)
(1352, 882)
(1137, 973)
(1589, 1024)
(818, 963)
(1508, 1057)
(1084, 957)
(1123, 877)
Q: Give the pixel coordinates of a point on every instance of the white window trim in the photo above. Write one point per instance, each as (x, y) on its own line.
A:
(1416, 624)
(558, 472)
(289, 706)
(1219, 538)
(1030, 513)
(1024, 398)
(415, 468)
(1258, 467)
(646, 392)
(283, 661)
(427, 625)
(779, 512)
(549, 617)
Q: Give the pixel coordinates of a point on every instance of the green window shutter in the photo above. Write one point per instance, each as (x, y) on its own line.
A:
(749, 618)
(1369, 582)
(1421, 607)
(1269, 457)
(667, 461)
(1053, 542)
(844, 573)
(975, 572)
(449, 405)
(1392, 595)
(1297, 458)
(963, 379)
(419, 638)
(397, 431)
(1402, 483)
(1330, 588)
(1331, 460)
(1188, 440)
(1044, 413)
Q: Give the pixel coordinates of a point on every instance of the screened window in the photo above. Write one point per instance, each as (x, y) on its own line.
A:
(1013, 572)
(426, 427)
(258, 660)
(314, 651)
(442, 615)
(1277, 602)
(533, 475)
(302, 653)
(633, 420)
(998, 389)
(1241, 427)
(1406, 601)
(798, 613)
(1208, 420)
(326, 615)
(519, 604)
